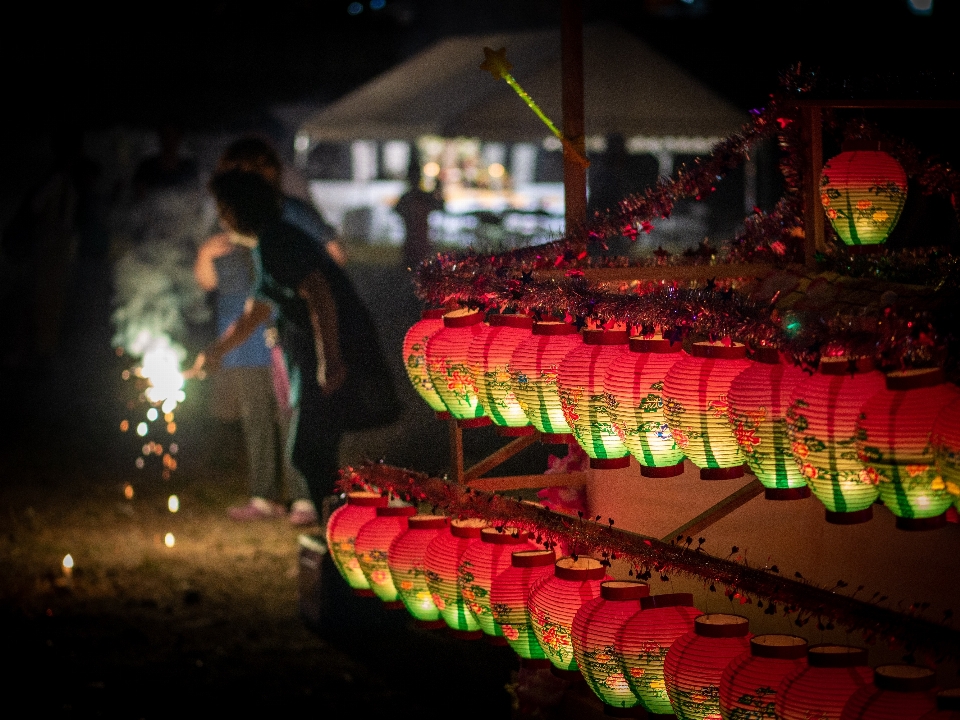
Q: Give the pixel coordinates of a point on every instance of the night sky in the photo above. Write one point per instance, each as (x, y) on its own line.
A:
(205, 64)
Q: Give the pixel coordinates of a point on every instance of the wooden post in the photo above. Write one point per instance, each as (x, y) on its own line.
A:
(456, 452)
(813, 216)
(571, 63)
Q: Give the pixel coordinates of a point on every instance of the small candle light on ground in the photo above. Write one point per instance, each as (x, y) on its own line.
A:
(68, 565)
(128, 491)
(173, 504)
(169, 540)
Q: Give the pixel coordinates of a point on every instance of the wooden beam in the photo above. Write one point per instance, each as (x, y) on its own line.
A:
(499, 456)
(813, 215)
(520, 482)
(879, 104)
(571, 101)
(456, 452)
(723, 508)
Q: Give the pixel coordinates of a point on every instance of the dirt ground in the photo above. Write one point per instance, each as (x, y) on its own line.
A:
(213, 623)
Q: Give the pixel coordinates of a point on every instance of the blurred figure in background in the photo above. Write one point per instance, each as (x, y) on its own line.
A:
(252, 385)
(415, 206)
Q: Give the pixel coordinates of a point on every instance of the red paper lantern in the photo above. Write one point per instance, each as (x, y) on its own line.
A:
(489, 358)
(405, 560)
(585, 404)
(822, 422)
(341, 535)
(893, 439)
(695, 404)
(821, 688)
(749, 684)
(509, 592)
(696, 661)
(634, 387)
(945, 440)
(415, 359)
(480, 564)
(898, 692)
(441, 560)
(948, 706)
(554, 602)
(759, 398)
(533, 377)
(644, 640)
(863, 190)
(372, 545)
(594, 634)
(449, 368)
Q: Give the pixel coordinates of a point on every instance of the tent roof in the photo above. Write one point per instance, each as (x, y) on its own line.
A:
(629, 89)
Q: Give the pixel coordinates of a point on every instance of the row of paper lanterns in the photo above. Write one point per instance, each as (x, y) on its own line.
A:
(848, 433)
(634, 650)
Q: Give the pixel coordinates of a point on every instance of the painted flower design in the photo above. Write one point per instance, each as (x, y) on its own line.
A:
(406, 585)
(808, 470)
(438, 601)
(864, 204)
(510, 632)
(869, 476)
(880, 217)
(746, 438)
(379, 577)
(720, 407)
(800, 450)
(915, 470)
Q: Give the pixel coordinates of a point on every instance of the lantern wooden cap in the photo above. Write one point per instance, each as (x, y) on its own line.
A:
(533, 558)
(467, 527)
(845, 365)
(396, 511)
(624, 590)
(366, 499)
(904, 678)
(583, 568)
(525, 322)
(948, 699)
(654, 602)
(721, 625)
(503, 537)
(432, 314)
(914, 379)
(780, 647)
(767, 355)
(427, 522)
(719, 351)
(465, 317)
(550, 327)
(659, 346)
(827, 655)
(605, 337)
(862, 145)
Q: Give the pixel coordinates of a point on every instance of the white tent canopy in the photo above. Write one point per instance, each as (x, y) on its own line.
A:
(629, 89)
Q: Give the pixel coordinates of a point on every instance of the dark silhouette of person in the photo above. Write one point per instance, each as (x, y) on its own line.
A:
(326, 333)
(415, 206)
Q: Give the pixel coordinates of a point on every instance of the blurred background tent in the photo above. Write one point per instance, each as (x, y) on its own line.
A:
(500, 167)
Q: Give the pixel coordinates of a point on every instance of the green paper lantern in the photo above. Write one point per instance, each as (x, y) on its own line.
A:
(341, 534)
(441, 560)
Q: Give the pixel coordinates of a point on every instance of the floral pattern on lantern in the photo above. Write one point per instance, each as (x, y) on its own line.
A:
(554, 602)
(898, 692)
(863, 190)
(821, 688)
(509, 592)
(945, 441)
(480, 564)
(594, 634)
(634, 388)
(696, 407)
(759, 398)
(405, 560)
(341, 536)
(696, 661)
(586, 405)
(415, 358)
(449, 368)
(533, 377)
(822, 421)
(441, 561)
(489, 359)
(371, 547)
(644, 640)
(893, 438)
(749, 684)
